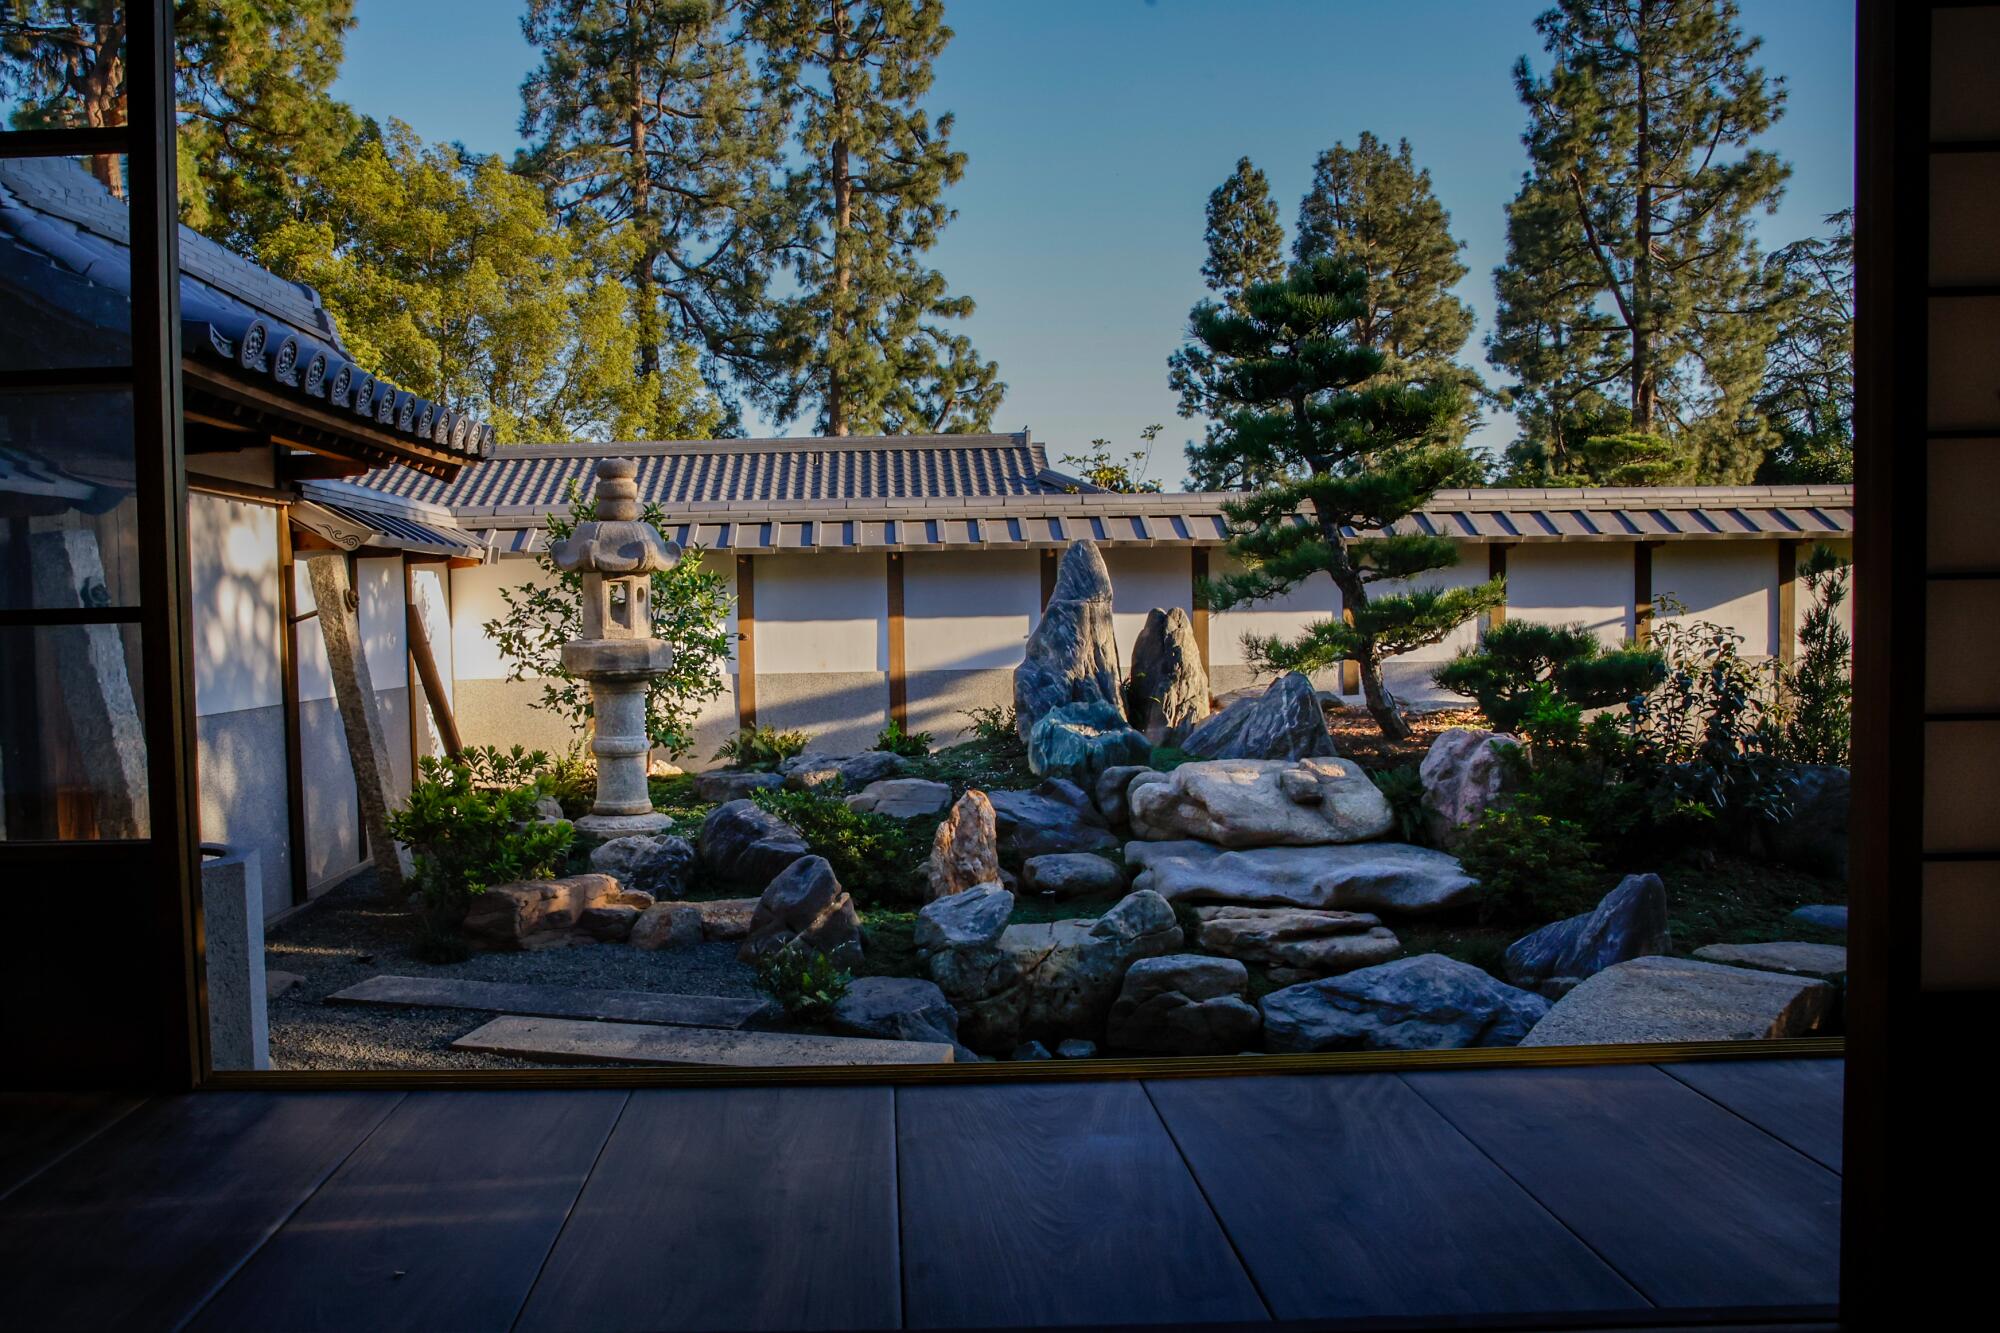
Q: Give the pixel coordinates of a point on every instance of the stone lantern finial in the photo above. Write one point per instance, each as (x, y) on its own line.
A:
(617, 554)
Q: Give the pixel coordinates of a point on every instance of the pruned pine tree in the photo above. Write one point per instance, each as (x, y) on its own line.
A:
(1245, 245)
(869, 340)
(251, 80)
(1299, 400)
(1631, 236)
(646, 114)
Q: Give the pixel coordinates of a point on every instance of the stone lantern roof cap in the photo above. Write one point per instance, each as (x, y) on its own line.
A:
(617, 541)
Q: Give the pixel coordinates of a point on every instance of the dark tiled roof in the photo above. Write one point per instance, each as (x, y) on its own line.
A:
(532, 479)
(64, 239)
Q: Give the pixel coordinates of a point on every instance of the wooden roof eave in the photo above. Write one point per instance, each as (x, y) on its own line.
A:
(322, 430)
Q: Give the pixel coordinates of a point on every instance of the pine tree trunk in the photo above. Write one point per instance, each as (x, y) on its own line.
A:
(642, 196)
(1642, 239)
(838, 329)
(1381, 705)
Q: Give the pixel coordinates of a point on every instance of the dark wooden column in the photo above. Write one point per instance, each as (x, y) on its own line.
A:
(746, 642)
(1642, 591)
(1496, 568)
(1051, 562)
(1788, 600)
(288, 672)
(899, 701)
(1198, 603)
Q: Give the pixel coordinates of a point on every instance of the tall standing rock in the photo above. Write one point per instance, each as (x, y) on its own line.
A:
(1072, 656)
(1167, 695)
(1285, 722)
(966, 850)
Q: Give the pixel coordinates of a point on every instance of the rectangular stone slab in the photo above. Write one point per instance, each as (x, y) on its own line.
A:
(501, 997)
(569, 1042)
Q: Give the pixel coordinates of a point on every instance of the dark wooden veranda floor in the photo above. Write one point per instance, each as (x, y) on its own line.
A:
(1598, 1196)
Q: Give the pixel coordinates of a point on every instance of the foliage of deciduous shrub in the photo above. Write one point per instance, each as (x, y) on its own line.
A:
(1404, 789)
(804, 982)
(995, 724)
(1518, 662)
(470, 823)
(1532, 867)
(1818, 689)
(877, 859)
(911, 745)
(761, 748)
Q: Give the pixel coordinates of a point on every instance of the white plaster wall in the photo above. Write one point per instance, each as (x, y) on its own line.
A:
(822, 613)
(968, 610)
(1313, 600)
(1565, 583)
(1143, 577)
(379, 584)
(315, 675)
(233, 557)
(429, 594)
(1731, 584)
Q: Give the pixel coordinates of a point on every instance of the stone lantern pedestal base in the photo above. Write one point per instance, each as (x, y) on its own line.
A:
(619, 826)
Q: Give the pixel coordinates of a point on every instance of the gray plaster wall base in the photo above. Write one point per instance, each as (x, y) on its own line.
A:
(940, 700)
(840, 710)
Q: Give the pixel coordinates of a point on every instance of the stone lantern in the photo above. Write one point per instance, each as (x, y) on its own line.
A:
(617, 555)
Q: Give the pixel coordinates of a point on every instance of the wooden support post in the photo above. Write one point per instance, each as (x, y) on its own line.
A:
(427, 672)
(1642, 592)
(1788, 601)
(288, 673)
(746, 643)
(1051, 563)
(899, 693)
(1198, 603)
(1496, 568)
(1350, 670)
(360, 717)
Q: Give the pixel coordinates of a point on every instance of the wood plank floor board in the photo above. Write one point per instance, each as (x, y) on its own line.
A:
(139, 1229)
(733, 1208)
(546, 1001)
(1690, 1203)
(439, 1221)
(1349, 1197)
(39, 1128)
(1055, 1203)
(1798, 1101)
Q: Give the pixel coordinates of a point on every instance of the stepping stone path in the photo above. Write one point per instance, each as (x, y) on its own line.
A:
(568, 1041)
(1313, 942)
(1825, 961)
(646, 1007)
(1683, 999)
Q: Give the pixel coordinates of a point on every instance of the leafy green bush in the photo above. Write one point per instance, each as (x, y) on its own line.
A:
(907, 744)
(1532, 867)
(572, 779)
(761, 748)
(1519, 662)
(470, 823)
(995, 724)
(1703, 744)
(1818, 690)
(804, 982)
(878, 860)
(1167, 758)
(1404, 789)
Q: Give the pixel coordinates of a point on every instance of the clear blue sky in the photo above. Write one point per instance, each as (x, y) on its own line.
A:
(1096, 129)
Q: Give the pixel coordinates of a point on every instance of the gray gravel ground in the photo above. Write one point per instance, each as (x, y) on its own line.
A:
(351, 934)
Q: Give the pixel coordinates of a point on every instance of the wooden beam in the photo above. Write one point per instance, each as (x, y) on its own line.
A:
(288, 674)
(360, 717)
(1496, 568)
(1198, 602)
(433, 682)
(1051, 563)
(899, 695)
(1350, 670)
(1642, 592)
(1788, 601)
(746, 642)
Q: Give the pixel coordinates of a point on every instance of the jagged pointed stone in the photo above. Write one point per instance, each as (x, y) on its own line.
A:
(1072, 657)
(1082, 576)
(1167, 695)
(1285, 722)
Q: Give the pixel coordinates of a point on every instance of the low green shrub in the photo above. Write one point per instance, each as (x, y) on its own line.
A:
(571, 778)
(804, 982)
(995, 723)
(762, 748)
(1532, 867)
(470, 823)
(1404, 789)
(1818, 689)
(910, 745)
(1167, 758)
(878, 860)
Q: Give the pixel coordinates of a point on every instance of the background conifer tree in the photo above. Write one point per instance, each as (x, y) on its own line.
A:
(1631, 276)
(1298, 399)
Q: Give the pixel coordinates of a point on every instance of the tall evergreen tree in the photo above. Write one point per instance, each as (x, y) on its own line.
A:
(1298, 398)
(867, 338)
(1246, 245)
(1808, 391)
(646, 113)
(1632, 229)
(251, 79)
(1375, 209)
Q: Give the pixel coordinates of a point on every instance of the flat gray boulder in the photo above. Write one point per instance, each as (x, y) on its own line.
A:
(1055, 817)
(1072, 875)
(1079, 741)
(1628, 922)
(1429, 1002)
(896, 1009)
(1260, 803)
(1358, 877)
(1184, 1004)
(1306, 940)
(658, 864)
(968, 920)
(1166, 695)
(854, 771)
(902, 798)
(1793, 957)
(744, 844)
(1070, 971)
(732, 784)
(1284, 722)
(1683, 999)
